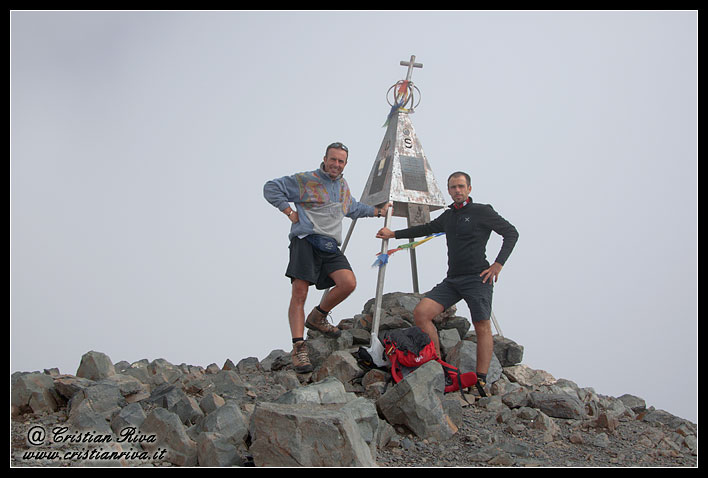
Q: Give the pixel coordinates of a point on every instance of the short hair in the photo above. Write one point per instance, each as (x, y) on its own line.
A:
(337, 145)
(460, 173)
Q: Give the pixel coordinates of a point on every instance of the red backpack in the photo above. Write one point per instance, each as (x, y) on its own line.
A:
(410, 348)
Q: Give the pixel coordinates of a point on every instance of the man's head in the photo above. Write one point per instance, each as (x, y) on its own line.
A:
(335, 159)
(459, 186)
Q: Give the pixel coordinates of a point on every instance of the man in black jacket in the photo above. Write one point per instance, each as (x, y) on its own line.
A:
(467, 227)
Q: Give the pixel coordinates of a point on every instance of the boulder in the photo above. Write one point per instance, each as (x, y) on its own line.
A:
(95, 366)
(416, 403)
(464, 356)
(34, 392)
(171, 435)
(303, 434)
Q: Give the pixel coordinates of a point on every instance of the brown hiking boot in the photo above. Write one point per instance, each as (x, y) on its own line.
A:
(318, 321)
(301, 362)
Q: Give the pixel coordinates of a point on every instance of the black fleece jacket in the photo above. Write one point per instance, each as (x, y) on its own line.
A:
(467, 231)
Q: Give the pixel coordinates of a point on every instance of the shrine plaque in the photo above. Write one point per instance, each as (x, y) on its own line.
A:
(413, 173)
(381, 175)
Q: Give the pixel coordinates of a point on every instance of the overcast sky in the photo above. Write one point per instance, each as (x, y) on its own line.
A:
(140, 143)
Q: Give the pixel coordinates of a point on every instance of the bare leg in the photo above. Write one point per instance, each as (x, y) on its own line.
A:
(423, 314)
(345, 283)
(296, 311)
(485, 344)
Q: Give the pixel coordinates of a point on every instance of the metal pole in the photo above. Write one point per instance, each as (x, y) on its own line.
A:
(380, 284)
(349, 234)
(496, 325)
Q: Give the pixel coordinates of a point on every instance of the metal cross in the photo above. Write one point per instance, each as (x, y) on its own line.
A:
(411, 64)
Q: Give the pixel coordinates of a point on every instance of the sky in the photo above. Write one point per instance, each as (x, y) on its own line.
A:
(140, 143)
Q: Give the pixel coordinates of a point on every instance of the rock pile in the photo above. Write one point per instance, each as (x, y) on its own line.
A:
(261, 413)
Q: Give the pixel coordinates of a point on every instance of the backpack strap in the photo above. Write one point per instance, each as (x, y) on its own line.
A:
(449, 368)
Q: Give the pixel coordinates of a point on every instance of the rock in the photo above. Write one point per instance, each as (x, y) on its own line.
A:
(249, 365)
(558, 405)
(464, 356)
(187, 409)
(267, 363)
(214, 450)
(227, 421)
(547, 425)
(163, 372)
(67, 385)
(95, 366)
(34, 392)
(211, 402)
(516, 398)
(227, 383)
(130, 387)
(335, 416)
(328, 391)
(448, 339)
(287, 379)
(416, 403)
(636, 404)
(138, 370)
(306, 435)
(507, 351)
(453, 322)
(170, 434)
(341, 365)
(365, 415)
(527, 376)
(132, 415)
(103, 399)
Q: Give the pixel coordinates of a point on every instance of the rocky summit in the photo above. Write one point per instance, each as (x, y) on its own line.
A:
(261, 413)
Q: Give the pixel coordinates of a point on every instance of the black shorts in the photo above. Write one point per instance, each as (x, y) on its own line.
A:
(313, 265)
(469, 287)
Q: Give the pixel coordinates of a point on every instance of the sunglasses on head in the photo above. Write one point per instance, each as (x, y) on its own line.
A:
(338, 145)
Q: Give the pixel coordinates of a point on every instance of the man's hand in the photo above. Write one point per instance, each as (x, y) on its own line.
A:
(385, 233)
(292, 214)
(491, 273)
(384, 209)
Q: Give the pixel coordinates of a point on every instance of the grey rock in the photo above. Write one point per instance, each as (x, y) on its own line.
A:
(306, 435)
(170, 434)
(464, 356)
(34, 392)
(558, 405)
(416, 403)
(95, 366)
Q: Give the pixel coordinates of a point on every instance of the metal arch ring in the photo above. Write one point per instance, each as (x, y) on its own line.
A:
(419, 95)
(411, 84)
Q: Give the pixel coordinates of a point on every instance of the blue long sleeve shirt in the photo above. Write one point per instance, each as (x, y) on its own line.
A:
(321, 202)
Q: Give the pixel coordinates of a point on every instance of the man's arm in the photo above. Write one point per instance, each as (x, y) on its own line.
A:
(432, 227)
(509, 234)
(281, 192)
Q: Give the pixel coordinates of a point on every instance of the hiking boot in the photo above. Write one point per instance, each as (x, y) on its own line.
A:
(301, 362)
(318, 321)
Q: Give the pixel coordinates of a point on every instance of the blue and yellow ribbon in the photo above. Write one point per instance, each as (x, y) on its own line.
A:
(382, 258)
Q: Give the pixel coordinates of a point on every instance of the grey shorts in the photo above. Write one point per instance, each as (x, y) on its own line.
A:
(468, 287)
(313, 265)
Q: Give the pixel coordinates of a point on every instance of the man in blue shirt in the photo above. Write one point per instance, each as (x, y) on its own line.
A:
(322, 199)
